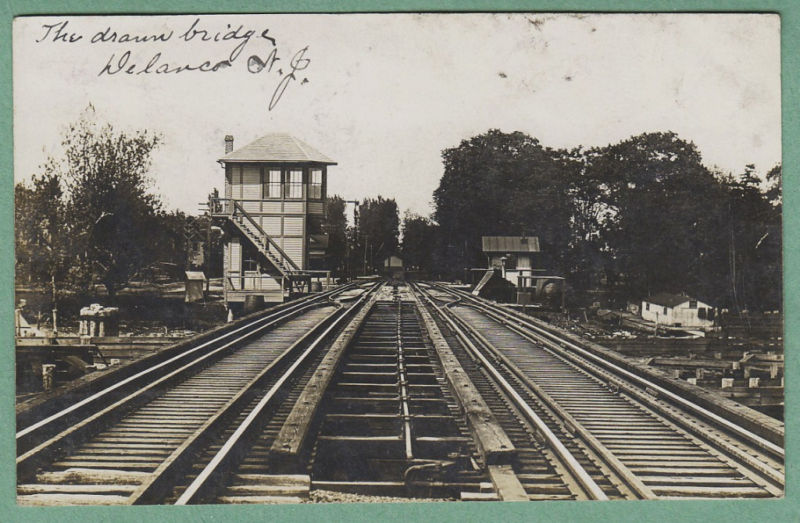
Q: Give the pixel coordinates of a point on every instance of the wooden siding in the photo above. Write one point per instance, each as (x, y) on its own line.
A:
(294, 207)
(293, 247)
(293, 225)
(256, 281)
(316, 208)
(271, 225)
(251, 182)
(236, 183)
(272, 207)
(272, 296)
(253, 207)
(235, 259)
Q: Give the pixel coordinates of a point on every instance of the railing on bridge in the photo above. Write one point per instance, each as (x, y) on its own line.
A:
(317, 280)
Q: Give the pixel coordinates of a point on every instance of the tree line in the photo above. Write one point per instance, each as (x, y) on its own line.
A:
(641, 216)
(637, 217)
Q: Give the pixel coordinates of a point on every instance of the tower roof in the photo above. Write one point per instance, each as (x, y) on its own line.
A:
(277, 147)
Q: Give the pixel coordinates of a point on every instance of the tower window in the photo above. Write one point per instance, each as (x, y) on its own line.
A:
(315, 187)
(295, 187)
(273, 183)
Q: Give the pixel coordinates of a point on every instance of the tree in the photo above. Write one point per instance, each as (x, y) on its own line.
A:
(664, 213)
(41, 233)
(754, 240)
(109, 206)
(643, 215)
(503, 184)
(378, 231)
(419, 241)
(336, 228)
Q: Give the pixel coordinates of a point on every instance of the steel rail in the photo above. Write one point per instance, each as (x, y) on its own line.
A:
(625, 377)
(743, 433)
(622, 472)
(222, 459)
(36, 450)
(157, 485)
(278, 313)
(570, 463)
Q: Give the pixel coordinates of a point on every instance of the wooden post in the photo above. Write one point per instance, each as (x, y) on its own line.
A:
(48, 373)
(55, 306)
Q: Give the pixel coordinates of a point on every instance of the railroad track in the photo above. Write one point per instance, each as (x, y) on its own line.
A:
(410, 391)
(125, 443)
(390, 424)
(647, 440)
(373, 416)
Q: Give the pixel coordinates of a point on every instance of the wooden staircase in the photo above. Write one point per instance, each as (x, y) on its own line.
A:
(283, 268)
(481, 284)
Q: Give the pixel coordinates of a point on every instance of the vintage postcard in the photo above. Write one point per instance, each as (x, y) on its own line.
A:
(292, 259)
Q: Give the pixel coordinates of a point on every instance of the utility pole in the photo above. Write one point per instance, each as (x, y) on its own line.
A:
(55, 306)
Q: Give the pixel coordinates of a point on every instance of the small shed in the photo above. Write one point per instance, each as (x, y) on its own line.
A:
(677, 310)
(195, 286)
(515, 255)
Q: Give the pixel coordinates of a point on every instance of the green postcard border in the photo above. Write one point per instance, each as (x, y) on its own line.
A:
(787, 509)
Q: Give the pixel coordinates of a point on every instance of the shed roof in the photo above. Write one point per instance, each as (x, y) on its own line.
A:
(277, 147)
(666, 299)
(510, 244)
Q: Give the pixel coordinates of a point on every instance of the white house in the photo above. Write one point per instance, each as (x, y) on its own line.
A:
(677, 310)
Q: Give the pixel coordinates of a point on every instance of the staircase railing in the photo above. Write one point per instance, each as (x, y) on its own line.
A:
(236, 209)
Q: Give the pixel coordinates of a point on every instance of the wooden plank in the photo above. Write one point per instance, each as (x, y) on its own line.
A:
(506, 483)
(492, 441)
(260, 500)
(121, 489)
(71, 499)
(711, 492)
(481, 496)
(91, 476)
(268, 490)
(687, 480)
(116, 464)
(275, 479)
(294, 431)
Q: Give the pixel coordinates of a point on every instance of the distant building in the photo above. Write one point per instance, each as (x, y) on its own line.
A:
(515, 256)
(677, 310)
(393, 266)
(518, 260)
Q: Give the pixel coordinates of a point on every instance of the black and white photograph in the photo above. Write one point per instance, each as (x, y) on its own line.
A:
(397, 257)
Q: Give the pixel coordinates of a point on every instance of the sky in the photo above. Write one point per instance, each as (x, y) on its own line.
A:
(383, 95)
